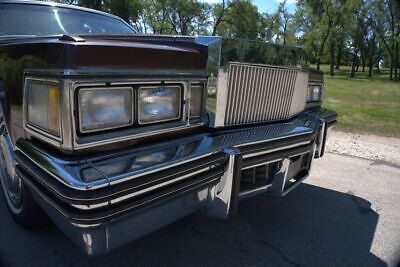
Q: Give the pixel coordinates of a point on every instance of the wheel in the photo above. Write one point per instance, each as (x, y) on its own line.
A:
(18, 198)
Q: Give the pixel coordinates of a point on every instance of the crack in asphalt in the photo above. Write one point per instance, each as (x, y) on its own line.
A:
(279, 251)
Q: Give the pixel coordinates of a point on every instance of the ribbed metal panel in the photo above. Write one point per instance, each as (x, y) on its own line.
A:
(258, 93)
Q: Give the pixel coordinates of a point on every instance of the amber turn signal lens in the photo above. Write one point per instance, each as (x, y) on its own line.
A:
(53, 118)
(43, 106)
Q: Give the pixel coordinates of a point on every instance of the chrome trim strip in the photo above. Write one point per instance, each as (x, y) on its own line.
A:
(116, 180)
(116, 200)
(140, 192)
(261, 164)
(266, 65)
(275, 149)
(78, 146)
(146, 73)
(274, 139)
(274, 160)
(90, 207)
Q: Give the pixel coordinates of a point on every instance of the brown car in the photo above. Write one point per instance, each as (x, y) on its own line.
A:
(113, 134)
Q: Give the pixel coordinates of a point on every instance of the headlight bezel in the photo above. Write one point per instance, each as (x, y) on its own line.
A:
(79, 90)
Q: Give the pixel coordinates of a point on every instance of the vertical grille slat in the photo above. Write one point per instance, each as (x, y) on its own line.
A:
(259, 93)
(258, 111)
(266, 94)
(246, 101)
(286, 88)
(274, 81)
(252, 106)
(291, 85)
(234, 78)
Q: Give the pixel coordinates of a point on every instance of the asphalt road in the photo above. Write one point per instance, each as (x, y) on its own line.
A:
(346, 214)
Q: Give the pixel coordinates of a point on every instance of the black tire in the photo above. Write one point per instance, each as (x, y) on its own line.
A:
(29, 214)
(23, 208)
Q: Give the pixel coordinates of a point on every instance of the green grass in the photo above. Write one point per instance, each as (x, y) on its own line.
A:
(364, 105)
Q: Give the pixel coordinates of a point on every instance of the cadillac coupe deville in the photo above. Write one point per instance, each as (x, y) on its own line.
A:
(113, 134)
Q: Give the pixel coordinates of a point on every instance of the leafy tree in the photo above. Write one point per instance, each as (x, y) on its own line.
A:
(241, 20)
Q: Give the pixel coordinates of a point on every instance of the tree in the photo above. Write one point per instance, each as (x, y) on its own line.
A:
(183, 15)
(218, 12)
(241, 20)
(319, 18)
(95, 4)
(284, 20)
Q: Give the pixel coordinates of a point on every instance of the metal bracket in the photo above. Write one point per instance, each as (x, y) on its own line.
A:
(222, 196)
(320, 142)
(280, 178)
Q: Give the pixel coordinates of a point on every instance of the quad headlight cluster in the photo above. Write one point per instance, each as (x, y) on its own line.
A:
(106, 108)
(314, 92)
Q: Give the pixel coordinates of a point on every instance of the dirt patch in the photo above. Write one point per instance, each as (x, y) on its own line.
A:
(365, 146)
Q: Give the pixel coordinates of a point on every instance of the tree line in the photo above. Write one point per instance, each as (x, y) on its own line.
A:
(363, 34)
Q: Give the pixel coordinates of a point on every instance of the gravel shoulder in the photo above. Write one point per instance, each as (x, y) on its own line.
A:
(370, 147)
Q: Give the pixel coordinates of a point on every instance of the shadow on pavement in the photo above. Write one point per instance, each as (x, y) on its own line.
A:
(311, 226)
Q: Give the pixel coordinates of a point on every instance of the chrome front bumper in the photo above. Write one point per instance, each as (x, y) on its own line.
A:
(104, 201)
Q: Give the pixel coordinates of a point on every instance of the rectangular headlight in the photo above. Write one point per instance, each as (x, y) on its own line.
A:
(314, 93)
(159, 103)
(43, 106)
(196, 100)
(105, 108)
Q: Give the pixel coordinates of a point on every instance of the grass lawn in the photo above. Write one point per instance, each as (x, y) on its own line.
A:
(364, 105)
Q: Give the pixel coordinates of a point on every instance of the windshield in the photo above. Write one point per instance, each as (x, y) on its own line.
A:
(28, 19)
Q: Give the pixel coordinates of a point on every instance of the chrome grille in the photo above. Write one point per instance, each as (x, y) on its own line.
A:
(258, 93)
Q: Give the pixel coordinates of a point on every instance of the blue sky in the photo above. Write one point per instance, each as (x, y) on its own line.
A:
(265, 5)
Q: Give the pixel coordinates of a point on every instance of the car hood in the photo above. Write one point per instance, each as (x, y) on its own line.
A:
(110, 51)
